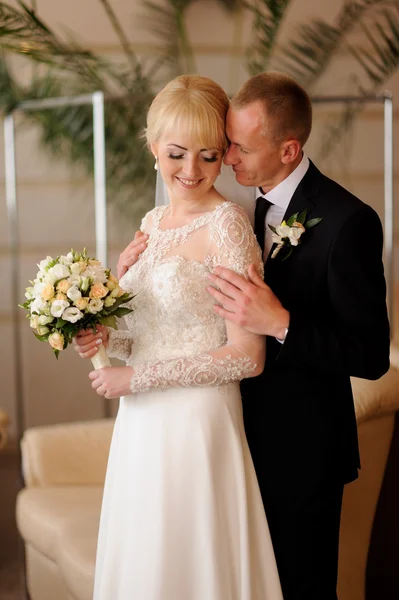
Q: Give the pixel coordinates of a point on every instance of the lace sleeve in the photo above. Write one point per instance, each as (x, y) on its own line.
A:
(232, 244)
(120, 343)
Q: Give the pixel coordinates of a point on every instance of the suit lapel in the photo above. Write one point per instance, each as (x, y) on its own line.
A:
(304, 198)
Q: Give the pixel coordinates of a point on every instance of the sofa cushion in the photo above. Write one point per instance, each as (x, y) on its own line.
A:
(77, 556)
(44, 515)
(376, 398)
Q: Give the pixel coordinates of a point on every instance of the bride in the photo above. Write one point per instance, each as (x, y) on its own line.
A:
(182, 516)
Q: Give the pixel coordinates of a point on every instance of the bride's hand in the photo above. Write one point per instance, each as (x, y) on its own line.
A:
(86, 342)
(131, 253)
(112, 382)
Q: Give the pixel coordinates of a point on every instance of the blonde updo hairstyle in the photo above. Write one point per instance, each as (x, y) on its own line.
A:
(197, 105)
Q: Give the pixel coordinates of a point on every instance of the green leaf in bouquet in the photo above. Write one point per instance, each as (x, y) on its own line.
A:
(121, 311)
(273, 229)
(109, 321)
(60, 323)
(292, 219)
(313, 222)
(57, 353)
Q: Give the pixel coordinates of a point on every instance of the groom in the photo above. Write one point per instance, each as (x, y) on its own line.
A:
(323, 310)
(322, 307)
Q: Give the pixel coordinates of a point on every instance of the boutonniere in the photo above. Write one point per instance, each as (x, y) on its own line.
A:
(288, 234)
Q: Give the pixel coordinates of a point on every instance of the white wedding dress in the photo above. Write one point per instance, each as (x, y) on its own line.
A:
(182, 516)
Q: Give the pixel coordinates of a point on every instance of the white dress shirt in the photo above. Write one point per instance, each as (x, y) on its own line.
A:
(280, 197)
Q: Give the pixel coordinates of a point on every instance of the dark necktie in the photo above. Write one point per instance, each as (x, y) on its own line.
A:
(262, 206)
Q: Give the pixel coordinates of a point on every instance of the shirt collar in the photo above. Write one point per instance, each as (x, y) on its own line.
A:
(281, 194)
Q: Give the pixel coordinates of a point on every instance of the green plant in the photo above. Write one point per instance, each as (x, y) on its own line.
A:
(367, 29)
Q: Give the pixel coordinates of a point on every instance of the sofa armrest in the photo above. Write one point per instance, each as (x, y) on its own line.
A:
(374, 399)
(66, 454)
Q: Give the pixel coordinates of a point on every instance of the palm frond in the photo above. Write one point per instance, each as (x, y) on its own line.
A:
(378, 62)
(308, 55)
(167, 23)
(267, 18)
(23, 32)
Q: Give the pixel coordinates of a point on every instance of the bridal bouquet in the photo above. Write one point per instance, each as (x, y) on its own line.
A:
(70, 293)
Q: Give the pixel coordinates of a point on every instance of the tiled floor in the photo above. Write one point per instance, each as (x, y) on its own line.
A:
(12, 586)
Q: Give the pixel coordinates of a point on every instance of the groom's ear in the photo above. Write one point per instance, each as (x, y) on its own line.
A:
(290, 151)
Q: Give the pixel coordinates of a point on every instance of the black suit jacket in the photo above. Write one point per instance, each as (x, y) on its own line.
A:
(299, 413)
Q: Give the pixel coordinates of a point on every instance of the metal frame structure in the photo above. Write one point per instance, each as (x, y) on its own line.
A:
(97, 101)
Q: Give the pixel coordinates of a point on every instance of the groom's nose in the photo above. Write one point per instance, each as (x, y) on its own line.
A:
(230, 157)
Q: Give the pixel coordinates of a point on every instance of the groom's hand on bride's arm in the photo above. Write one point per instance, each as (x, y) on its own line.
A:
(131, 253)
(250, 304)
(112, 382)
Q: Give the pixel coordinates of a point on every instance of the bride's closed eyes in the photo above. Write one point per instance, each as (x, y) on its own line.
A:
(209, 159)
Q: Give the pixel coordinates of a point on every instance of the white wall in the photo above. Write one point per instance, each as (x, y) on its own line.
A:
(56, 201)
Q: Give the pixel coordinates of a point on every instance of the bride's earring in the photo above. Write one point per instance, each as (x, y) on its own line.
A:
(156, 163)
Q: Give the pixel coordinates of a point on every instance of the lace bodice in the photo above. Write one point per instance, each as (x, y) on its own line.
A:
(173, 316)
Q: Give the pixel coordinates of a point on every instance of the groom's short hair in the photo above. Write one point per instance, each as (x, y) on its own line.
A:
(287, 107)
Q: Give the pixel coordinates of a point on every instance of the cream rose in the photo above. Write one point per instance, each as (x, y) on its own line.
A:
(48, 292)
(81, 303)
(61, 296)
(63, 286)
(98, 290)
(56, 340)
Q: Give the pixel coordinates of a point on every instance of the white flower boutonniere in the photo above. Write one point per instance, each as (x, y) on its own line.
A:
(288, 234)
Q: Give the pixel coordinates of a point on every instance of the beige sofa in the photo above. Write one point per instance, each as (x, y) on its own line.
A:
(64, 467)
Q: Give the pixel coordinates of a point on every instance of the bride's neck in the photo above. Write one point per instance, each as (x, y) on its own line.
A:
(180, 209)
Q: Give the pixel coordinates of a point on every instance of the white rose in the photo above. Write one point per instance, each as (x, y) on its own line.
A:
(72, 314)
(296, 233)
(38, 289)
(75, 280)
(43, 264)
(58, 307)
(59, 272)
(95, 305)
(43, 320)
(74, 294)
(38, 305)
(97, 274)
(283, 231)
(66, 260)
(76, 268)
